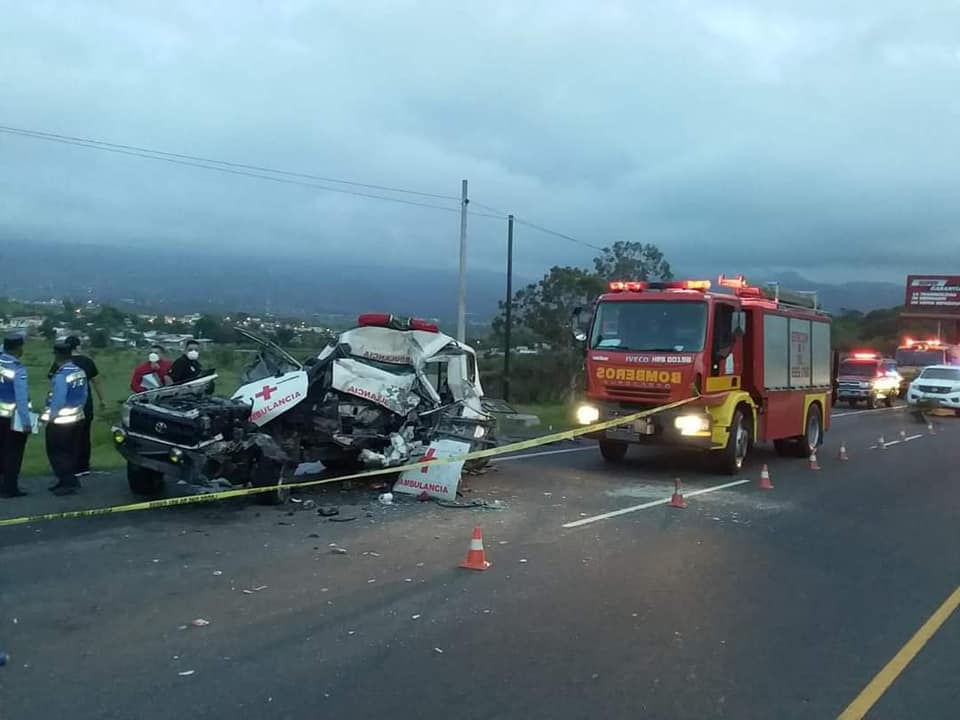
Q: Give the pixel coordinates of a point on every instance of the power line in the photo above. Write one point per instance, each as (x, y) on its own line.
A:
(288, 177)
(228, 170)
(564, 236)
(39, 134)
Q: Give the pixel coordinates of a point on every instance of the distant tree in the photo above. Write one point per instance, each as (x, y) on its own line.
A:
(109, 318)
(213, 328)
(99, 338)
(543, 311)
(626, 260)
(69, 310)
(48, 329)
(283, 336)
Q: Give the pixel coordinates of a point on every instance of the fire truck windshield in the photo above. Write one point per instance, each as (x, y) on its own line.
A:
(913, 356)
(650, 325)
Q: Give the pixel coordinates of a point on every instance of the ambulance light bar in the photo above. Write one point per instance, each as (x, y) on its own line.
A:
(866, 356)
(395, 323)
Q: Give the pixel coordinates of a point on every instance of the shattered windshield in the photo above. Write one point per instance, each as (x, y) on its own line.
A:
(267, 364)
(650, 325)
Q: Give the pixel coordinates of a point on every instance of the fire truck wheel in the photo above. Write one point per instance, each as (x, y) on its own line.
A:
(812, 438)
(738, 444)
(613, 451)
(143, 481)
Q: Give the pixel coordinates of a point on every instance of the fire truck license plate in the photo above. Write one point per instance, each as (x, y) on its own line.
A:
(631, 432)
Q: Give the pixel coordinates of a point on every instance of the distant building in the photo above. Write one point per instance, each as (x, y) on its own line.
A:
(25, 322)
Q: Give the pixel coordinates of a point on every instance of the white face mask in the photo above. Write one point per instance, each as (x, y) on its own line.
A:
(153, 357)
(193, 354)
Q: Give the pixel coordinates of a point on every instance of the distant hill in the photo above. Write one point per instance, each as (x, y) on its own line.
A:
(184, 282)
(196, 281)
(864, 296)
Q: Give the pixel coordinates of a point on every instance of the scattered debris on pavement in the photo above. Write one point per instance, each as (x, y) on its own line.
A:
(200, 622)
(328, 511)
(186, 673)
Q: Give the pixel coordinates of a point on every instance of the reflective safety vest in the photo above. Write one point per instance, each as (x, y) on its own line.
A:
(67, 397)
(9, 365)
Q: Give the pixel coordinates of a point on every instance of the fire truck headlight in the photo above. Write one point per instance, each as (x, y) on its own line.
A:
(587, 414)
(692, 424)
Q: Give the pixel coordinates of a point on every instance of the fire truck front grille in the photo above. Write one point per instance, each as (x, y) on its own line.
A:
(638, 394)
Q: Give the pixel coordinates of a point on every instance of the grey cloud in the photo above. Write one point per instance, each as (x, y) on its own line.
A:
(751, 135)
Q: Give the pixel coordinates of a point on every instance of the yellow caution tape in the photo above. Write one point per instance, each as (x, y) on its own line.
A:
(243, 492)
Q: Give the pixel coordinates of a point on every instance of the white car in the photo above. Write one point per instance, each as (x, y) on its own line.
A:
(937, 386)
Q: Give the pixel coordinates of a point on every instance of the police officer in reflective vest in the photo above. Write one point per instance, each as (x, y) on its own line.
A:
(15, 418)
(64, 418)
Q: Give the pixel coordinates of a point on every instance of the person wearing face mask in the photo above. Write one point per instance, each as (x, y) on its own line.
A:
(151, 374)
(186, 367)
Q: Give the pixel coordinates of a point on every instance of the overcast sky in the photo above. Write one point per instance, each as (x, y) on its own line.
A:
(818, 136)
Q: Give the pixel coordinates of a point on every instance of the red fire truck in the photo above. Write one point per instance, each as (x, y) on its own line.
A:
(757, 361)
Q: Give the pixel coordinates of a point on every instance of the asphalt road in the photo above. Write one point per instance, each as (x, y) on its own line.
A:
(748, 604)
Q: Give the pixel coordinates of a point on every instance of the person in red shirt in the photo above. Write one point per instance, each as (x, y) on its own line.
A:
(152, 373)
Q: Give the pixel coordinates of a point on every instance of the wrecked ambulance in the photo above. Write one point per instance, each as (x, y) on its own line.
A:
(376, 397)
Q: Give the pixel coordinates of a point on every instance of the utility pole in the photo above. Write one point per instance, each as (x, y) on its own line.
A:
(509, 311)
(462, 306)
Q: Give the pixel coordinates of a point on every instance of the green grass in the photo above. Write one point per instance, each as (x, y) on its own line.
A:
(116, 367)
(560, 416)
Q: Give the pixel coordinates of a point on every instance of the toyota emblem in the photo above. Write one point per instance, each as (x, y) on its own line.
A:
(160, 427)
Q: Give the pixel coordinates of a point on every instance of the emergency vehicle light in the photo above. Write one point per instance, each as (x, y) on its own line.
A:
(375, 320)
(629, 286)
(866, 356)
(423, 325)
(736, 282)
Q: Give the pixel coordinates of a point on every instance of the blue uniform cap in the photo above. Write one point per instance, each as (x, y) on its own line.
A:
(12, 342)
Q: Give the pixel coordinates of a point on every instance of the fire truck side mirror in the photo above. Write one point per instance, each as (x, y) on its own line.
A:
(580, 321)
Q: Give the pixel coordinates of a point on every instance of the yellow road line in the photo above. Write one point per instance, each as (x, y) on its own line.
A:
(884, 679)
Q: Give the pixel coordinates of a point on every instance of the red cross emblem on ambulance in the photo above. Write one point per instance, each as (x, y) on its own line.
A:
(430, 455)
(266, 392)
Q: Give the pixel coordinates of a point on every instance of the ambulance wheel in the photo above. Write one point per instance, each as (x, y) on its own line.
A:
(344, 465)
(143, 481)
(270, 473)
(731, 458)
(613, 451)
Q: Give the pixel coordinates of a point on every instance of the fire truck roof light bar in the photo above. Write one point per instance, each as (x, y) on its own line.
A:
(638, 286)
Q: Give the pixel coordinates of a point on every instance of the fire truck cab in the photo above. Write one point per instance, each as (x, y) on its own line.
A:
(755, 364)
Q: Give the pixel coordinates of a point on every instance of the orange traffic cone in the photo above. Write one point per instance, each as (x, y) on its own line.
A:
(676, 500)
(476, 559)
(765, 483)
(843, 451)
(814, 465)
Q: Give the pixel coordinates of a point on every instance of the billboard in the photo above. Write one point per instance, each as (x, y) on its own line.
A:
(933, 294)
